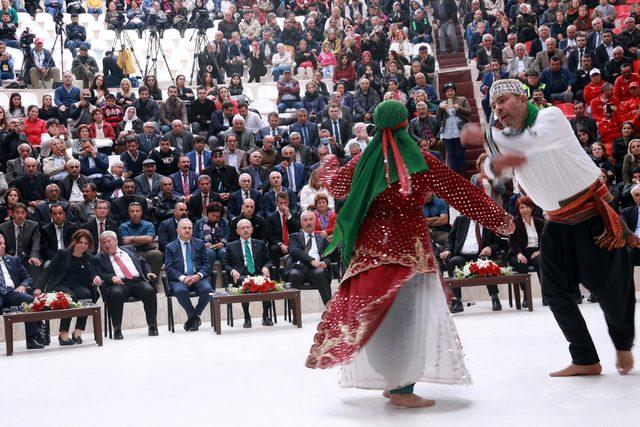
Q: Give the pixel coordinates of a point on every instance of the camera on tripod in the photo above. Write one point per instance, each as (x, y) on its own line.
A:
(152, 22)
(26, 40)
(120, 20)
(201, 19)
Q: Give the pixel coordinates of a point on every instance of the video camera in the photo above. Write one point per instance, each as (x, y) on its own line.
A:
(201, 19)
(26, 40)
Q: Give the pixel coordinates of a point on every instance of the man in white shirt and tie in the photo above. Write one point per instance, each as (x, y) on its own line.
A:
(57, 234)
(306, 263)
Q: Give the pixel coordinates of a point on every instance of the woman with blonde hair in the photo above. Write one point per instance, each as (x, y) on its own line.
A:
(125, 96)
(311, 190)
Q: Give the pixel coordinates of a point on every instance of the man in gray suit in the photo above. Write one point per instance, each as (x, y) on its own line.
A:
(85, 210)
(244, 135)
(180, 138)
(22, 239)
(15, 167)
(148, 182)
(543, 58)
(520, 65)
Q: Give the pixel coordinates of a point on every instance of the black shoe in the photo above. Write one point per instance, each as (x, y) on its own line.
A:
(495, 304)
(579, 299)
(34, 344)
(77, 340)
(198, 320)
(525, 303)
(188, 324)
(247, 324)
(153, 331)
(266, 321)
(456, 306)
(65, 342)
(194, 325)
(117, 335)
(593, 299)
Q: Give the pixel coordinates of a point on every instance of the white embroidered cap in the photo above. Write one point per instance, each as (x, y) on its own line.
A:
(505, 86)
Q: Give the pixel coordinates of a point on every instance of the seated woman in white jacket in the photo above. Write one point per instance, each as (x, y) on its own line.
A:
(309, 191)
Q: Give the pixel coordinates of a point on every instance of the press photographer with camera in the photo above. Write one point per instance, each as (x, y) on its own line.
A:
(76, 35)
(156, 18)
(39, 66)
(6, 64)
(208, 63)
(84, 67)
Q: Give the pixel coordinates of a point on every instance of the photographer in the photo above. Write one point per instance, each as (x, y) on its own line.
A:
(84, 67)
(76, 35)
(200, 16)
(208, 63)
(41, 67)
(6, 64)
(538, 99)
(8, 31)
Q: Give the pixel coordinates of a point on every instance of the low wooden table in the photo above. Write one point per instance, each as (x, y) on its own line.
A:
(513, 280)
(291, 295)
(11, 318)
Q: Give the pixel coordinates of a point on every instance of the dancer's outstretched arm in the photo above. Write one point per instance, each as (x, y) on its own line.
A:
(466, 198)
(337, 179)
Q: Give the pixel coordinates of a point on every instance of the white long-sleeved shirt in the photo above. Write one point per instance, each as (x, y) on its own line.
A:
(557, 167)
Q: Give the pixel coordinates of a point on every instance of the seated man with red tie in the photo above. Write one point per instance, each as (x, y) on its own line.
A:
(184, 181)
(469, 241)
(199, 201)
(281, 224)
(306, 262)
(124, 273)
(248, 257)
(185, 262)
(200, 157)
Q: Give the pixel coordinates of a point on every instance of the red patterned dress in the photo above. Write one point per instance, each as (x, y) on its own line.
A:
(388, 325)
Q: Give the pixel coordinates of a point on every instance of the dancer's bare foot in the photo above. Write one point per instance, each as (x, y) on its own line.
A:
(624, 362)
(573, 370)
(411, 401)
(387, 394)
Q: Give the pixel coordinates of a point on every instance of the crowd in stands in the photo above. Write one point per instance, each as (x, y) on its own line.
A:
(182, 176)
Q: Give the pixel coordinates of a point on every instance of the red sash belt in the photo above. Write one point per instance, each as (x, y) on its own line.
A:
(594, 201)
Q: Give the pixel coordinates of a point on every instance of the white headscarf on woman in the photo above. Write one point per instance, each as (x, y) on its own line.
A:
(129, 121)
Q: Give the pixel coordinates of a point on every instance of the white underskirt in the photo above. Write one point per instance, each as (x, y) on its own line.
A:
(416, 342)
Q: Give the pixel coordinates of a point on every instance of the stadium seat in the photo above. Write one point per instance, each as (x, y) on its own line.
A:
(29, 98)
(4, 100)
(280, 22)
(567, 110)
(268, 92)
(43, 17)
(171, 34)
(264, 106)
(95, 26)
(85, 18)
(107, 35)
(17, 56)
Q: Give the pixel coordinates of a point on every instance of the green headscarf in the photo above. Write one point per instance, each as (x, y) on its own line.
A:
(370, 177)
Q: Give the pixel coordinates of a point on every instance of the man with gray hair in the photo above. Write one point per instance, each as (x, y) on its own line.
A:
(543, 59)
(519, 66)
(71, 185)
(186, 265)
(486, 52)
(245, 138)
(125, 274)
(365, 101)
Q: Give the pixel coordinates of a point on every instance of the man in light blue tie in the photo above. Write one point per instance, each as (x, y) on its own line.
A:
(187, 270)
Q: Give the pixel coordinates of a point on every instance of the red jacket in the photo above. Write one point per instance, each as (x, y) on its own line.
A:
(629, 108)
(591, 92)
(621, 87)
(34, 130)
(107, 129)
(330, 226)
(348, 74)
(597, 108)
(609, 131)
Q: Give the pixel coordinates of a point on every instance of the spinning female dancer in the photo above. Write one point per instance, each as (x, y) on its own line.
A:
(388, 325)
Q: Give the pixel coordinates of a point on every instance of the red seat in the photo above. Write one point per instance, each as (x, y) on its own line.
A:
(636, 66)
(623, 10)
(567, 110)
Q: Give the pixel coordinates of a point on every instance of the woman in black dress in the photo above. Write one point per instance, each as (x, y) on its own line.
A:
(72, 271)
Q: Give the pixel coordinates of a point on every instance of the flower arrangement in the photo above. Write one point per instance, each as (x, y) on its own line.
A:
(257, 285)
(481, 268)
(50, 301)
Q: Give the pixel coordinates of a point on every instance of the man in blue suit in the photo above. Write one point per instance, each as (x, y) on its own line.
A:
(184, 174)
(199, 157)
(93, 164)
(494, 73)
(14, 284)
(280, 134)
(168, 229)
(306, 129)
(190, 275)
(294, 174)
(221, 121)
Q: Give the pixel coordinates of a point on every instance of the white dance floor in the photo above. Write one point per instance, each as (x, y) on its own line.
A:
(257, 377)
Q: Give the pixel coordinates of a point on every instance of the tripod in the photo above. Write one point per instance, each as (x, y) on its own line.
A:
(153, 48)
(123, 39)
(60, 35)
(201, 43)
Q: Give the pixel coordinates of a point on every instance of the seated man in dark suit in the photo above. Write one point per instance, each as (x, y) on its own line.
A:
(245, 192)
(258, 223)
(306, 262)
(165, 201)
(57, 234)
(168, 229)
(198, 202)
(259, 174)
(84, 211)
(110, 184)
(281, 224)
(192, 276)
(469, 241)
(294, 174)
(120, 206)
(93, 164)
(124, 273)
(200, 157)
(307, 130)
(224, 179)
(22, 239)
(41, 215)
(184, 181)
(148, 139)
(279, 133)
(71, 185)
(221, 121)
(148, 182)
(630, 217)
(32, 185)
(100, 223)
(248, 257)
(14, 285)
(268, 199)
